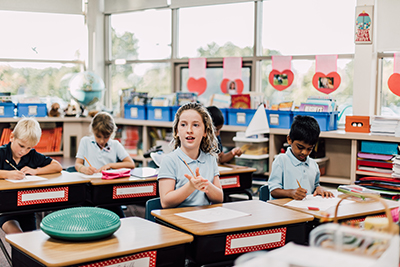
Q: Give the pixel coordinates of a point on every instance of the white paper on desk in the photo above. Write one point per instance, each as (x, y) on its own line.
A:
(212, 215)
(317, 202)
(220, 168)
(94, 175)
(144, 172)
(28, 178)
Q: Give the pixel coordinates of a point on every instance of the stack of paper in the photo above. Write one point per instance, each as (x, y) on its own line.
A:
(319, 104)
(384, 125)
(396, 167)
(374, 162)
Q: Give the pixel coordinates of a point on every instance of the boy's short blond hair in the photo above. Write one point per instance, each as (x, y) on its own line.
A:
(28, 129)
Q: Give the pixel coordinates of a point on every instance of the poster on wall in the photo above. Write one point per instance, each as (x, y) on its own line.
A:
(197, 82)
(281, 76)
(364, 24)
(326, 79)
(232, 82)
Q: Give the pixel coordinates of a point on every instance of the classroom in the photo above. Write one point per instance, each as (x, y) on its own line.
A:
(131, 67)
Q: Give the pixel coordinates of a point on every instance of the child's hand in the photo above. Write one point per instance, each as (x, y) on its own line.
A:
(88, 170)
(198, 182)
(237, 151)
(320, 191)
(104, 168)
(30, 171)
(15, 175)
(299, 193)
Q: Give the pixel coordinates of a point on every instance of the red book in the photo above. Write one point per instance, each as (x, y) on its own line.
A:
(375, 163)
(241, 101)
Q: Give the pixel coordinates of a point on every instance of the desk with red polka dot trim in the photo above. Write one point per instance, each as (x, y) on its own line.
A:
(137, 241)
(267, 226)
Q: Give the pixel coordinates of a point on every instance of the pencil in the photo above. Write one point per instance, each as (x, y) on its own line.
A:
(88, 162)
(298, 183)
(12, 165)
(189, 168)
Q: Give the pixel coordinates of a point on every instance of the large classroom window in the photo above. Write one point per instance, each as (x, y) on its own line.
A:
(143, 40)
(390, 102)
(39, 52)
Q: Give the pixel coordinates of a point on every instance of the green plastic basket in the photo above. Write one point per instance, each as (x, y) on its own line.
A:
(81, 223)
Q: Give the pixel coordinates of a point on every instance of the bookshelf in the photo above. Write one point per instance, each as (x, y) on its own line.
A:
(341, 147)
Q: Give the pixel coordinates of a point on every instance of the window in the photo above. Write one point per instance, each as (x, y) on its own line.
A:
(39, 52)
(216, 31)
(308, 27)
(390, 103)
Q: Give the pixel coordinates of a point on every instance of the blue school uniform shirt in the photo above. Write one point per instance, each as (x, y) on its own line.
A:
(286, 168)
(173, 167)
(113, 152)
(33, 159)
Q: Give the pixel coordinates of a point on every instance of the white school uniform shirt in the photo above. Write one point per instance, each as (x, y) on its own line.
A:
(113, 152)
(286, 168)
(173, 167)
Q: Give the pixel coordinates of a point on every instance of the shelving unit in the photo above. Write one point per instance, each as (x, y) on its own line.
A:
(341, 147)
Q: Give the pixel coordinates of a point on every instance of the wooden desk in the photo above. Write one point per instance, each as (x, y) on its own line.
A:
(122, 190)
(237, 180)
(349, 211)
(137, 238)
(59, 191)
(270, 225)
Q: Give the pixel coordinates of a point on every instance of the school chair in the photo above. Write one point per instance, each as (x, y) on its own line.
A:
(71, 169)
(264, 193)
(152, 204)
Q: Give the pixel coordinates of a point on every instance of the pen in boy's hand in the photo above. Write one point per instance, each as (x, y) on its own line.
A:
(298, 183)
(88, 162)
(12, 165)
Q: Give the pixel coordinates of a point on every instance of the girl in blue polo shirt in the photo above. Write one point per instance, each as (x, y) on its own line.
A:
(100, 152)
(195, 145)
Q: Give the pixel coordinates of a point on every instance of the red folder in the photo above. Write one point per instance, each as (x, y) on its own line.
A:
(375, 163)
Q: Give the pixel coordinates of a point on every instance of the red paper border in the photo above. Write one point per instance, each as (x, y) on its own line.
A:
(153, 193)
(151, 254)
(237, 184)
(20, 202)
(229, 251)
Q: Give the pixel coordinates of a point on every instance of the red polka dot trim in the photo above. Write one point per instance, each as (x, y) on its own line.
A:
(41, 196)
(141, 190)
(128, 261)
(230, 181)
(247, 239)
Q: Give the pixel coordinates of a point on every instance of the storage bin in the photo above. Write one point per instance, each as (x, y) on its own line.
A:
(252, 146)
(240, 117)
(279, 118)
(322, 163)
(379, 147)
(135, 112)
(31, 109)
(7, 109)
(225, 114)
(258, 162)
(155, 113)
(327, 120)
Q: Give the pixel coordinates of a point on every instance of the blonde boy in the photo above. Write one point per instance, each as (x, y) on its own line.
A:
(19, 153)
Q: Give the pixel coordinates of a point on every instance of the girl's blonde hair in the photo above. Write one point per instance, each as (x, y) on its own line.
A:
(104, 124)
(209, 143)
(28, 129)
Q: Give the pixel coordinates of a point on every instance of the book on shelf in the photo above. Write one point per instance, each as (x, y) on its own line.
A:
(313, 107)
(241, 101)
(364, 155)
(220, 100)
(375, 169)
(184, 97)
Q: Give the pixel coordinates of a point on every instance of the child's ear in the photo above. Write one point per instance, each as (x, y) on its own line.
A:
(288, 140)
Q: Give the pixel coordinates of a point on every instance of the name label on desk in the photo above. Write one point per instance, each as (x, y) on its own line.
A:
(253, 241)
(41, 196)
(145, 259)
(135, 190)
(229, 181)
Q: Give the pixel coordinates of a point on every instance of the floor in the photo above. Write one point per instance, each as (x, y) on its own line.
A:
(131, 210)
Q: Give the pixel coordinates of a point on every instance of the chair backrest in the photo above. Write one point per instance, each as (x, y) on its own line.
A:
(264, 193)
(71, 169)
(152, 204)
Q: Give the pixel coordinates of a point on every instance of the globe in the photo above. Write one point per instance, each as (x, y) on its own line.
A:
(86, 88)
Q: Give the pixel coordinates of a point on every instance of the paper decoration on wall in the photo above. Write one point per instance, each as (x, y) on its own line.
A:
(232, 77)
(281, 76)
(394, 79)
(197, 82)
(326, 79)
(259, 122)
(364, 24)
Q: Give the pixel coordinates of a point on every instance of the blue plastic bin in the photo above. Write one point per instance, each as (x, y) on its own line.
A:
(135, 112)
(328, 121)
(279, 118)
(7, 110)
(225, 114)
(159, 113)
(31, 109)
(376, 147)
(240, 117)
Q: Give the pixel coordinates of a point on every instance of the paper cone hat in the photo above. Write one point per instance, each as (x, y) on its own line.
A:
(259, 122)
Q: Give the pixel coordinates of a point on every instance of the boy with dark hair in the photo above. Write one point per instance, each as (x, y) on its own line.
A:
(218, 121)
(294, 174)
